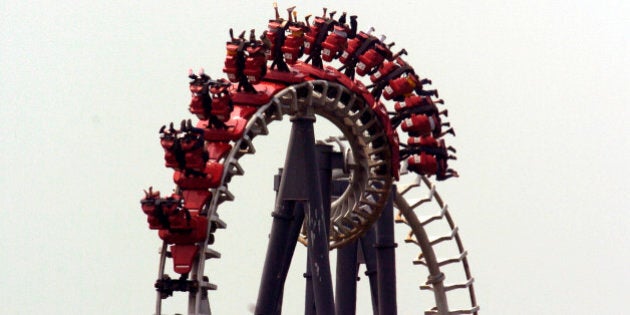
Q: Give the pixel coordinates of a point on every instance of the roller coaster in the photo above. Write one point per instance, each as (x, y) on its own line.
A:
(342, 193)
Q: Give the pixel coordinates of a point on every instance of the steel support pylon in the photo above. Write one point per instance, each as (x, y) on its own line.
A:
(376, 249)
(386, 259)
(299, 198)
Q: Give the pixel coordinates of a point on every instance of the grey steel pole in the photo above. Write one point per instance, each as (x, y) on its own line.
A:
(386, 259)
(309, 299)
(347, 269)
(324, 163)
(294, 232)
(298, 177)
(282, 242)
(299, 188)
(369, 257)
(346, 284)
(324, 153)
(317, 224)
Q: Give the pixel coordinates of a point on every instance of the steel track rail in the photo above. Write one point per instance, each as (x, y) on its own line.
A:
(427, 257)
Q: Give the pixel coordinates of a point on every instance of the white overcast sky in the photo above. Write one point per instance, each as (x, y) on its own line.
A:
(536, 90)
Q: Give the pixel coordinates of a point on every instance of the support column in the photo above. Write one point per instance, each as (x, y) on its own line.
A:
(299, 194)
(346, 284)
(319, 292)
(386, 258)
(347, 269)
(368, 252)
(282, 241)
(309, 296)
(294, 232)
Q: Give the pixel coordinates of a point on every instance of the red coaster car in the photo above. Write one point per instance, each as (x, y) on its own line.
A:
(292, 48)
(334, 43)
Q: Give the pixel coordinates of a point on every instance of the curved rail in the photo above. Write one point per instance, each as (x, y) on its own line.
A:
(427, 257)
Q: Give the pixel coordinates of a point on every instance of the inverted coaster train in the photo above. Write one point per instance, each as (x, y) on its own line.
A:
(288, 71)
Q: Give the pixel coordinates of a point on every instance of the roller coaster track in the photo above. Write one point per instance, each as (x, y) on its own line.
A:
(427, 257)
(187, 220)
